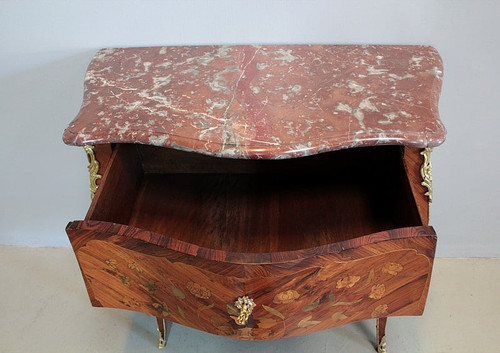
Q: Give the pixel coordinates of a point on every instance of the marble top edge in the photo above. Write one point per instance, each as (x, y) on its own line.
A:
(262, 101)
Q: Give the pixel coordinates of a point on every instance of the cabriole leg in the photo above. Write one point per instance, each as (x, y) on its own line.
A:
(381, 323)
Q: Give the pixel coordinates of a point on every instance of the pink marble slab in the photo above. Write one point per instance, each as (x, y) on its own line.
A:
(262, 101)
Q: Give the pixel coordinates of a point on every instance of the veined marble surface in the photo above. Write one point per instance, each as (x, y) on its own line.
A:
(269, 101)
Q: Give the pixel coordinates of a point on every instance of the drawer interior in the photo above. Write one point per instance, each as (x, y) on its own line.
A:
(256, 205)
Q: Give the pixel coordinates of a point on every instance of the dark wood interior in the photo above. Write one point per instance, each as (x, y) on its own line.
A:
(256, 205)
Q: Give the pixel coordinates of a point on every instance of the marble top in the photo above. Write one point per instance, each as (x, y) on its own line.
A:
(269, 101)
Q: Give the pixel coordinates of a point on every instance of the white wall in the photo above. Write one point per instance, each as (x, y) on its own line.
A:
(45, 47)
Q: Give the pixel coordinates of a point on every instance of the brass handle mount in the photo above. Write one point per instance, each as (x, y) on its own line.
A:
(245, 305)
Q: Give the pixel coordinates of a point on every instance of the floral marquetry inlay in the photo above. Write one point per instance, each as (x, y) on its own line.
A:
(345, 295)
(286, 297)
(125, 280)
(273, 311)
(112, 264)
(378, 291)
(177, 292)
(203, 308)
(267, 323)
(198, 291)
(321, 296)
(392, 268)
(347, 282)
(380, 311)
(339, 316)
(311, 306)
(130, 302)
(162, 309)
(135, 266)
(305, 322)
(151, 287)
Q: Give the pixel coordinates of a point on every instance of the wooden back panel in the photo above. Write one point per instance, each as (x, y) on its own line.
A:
(348, 162)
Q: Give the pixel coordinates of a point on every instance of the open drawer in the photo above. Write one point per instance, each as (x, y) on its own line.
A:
(315, 242)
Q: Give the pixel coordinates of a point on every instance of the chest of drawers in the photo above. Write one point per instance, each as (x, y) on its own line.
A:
(259, 192)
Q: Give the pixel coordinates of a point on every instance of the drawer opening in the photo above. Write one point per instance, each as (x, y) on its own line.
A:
(256, 206)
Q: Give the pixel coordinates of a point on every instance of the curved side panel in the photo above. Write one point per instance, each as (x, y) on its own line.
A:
(293, 297)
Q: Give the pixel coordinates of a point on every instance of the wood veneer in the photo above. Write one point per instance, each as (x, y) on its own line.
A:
(297, 292)
(317, 242)
(262, 206)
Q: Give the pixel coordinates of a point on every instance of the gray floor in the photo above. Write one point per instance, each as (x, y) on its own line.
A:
(44, 308)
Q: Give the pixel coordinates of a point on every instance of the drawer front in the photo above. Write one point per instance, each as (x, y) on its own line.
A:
(388, 274)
